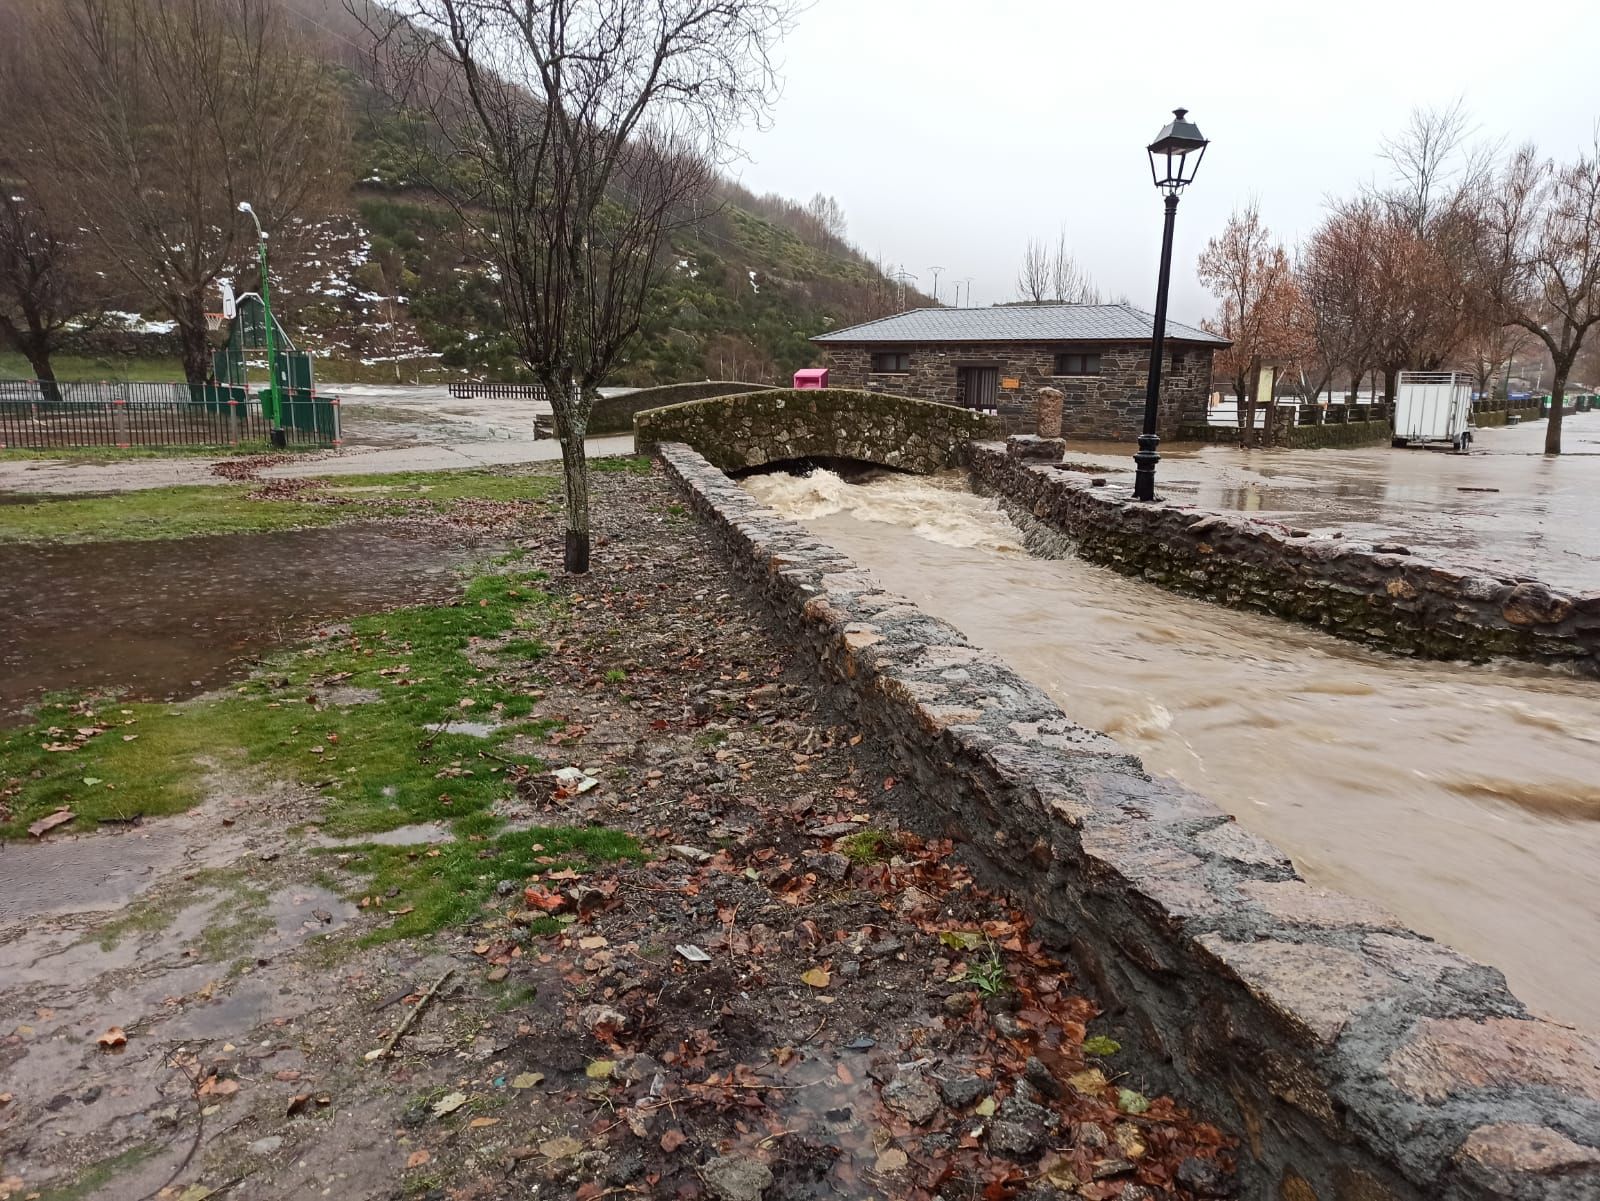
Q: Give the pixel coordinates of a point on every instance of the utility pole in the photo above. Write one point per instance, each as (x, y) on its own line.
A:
(279, 438)
(900, 277)
(936, 271)
(968, 282)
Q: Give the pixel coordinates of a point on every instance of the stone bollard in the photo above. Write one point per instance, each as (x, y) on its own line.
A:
(1049, 421)
(1034, 449)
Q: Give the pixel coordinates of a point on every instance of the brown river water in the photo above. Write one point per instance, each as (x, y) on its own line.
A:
(1466, 800)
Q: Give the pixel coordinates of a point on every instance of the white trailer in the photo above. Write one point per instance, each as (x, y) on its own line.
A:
(1434, 407)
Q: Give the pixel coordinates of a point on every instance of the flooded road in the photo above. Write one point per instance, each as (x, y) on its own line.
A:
(166, 619)
(1465, 800)
(1506, 508)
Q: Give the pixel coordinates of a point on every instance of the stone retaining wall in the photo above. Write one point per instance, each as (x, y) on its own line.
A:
(1302, 437)
(1380, 594)
(784, 424)
(1358, 1060)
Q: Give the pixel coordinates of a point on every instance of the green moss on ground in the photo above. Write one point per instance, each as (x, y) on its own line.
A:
(382, 764)
(112, 454)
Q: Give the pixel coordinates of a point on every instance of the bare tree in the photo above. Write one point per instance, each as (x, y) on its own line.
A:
(1490, 349)
(166, 114)
(1540, 259)
(575, 136)
(44, 287)
(1054, 275)
(1248, 271)
(1069, 280)
(1033, 277)
(828, 214)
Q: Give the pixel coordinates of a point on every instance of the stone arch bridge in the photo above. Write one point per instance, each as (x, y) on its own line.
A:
(753, 429)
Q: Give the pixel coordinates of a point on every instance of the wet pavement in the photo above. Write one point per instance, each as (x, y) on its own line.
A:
(1505, 507)
(168, 619)
(1464, 799)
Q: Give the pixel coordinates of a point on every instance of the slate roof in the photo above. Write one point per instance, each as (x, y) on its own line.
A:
(1018, 323)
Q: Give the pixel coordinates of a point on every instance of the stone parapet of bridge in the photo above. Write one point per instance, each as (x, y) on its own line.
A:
(754, 429)
(1359, 1060)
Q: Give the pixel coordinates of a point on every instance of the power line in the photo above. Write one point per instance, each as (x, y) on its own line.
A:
(936, 271)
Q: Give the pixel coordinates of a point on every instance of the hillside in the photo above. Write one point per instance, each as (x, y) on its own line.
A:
(387, 287)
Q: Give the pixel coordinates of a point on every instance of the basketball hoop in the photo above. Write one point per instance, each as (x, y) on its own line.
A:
(214, 321)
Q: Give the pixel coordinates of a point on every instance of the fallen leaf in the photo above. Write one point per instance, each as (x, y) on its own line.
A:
(528, 1080)
(480, 1123)
(673, 1139)
(297, 1104)
(985, 1108)
(1130, 1101)
(195, 1192)
(91, 781)
(416, 1159)
(114, 1037)
(817, 977)
(45, 824)
(961, 940)
(1091, 1082)
(560, 1148)
(891, 1159)
(448, 1104)
(600, 1069)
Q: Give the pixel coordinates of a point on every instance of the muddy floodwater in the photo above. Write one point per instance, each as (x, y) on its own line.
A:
(168, 619)
(1466, 800)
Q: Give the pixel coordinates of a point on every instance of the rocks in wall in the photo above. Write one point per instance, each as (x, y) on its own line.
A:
(756, 428)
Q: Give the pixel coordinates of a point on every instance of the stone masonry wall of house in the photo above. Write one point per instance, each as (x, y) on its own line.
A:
(1105, 406)
(1358, 1060)
(614, 414)
(780, 424)
(1376, 593)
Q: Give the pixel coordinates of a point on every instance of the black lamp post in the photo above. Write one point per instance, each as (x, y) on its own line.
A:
(1174, 158)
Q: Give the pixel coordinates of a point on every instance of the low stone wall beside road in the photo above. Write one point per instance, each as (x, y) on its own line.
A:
(1376, 593)
(1358, 1060)
(1302, 437)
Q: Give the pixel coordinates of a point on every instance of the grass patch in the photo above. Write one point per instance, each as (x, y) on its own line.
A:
(621, 464)
(181, 512)
(195, 509)
(866, 846)
(450, 884)
(381, 765)
(96, 1176)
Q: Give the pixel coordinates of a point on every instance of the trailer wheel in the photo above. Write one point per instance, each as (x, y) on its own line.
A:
(1399, 443)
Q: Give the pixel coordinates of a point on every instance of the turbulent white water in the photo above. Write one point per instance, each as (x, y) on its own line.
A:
(1464, 799)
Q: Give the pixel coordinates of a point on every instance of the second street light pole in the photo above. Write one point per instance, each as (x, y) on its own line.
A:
(274, 393)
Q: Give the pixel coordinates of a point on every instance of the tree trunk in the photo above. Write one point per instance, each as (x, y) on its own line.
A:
(1391, 384)
(1558, 393)
(193, 339)
(570, 409)
(39, 359)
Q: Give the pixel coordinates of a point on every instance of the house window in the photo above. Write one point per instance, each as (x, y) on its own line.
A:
(1177, 360)
(891, 362)
(1077, 364)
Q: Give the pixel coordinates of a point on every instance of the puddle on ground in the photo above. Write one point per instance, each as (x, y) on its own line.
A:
(167, 619)
(417, 835)
(472, 729)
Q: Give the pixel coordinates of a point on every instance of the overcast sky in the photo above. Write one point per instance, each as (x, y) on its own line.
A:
(951, 130)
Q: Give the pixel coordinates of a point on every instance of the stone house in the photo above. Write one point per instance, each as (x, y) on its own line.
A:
(996, 359)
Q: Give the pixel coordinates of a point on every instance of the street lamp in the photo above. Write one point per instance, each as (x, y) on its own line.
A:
(275, 398)
(1174, 158)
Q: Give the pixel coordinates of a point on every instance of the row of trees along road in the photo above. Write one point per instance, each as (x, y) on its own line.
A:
(1464, 258)
(574, 137)
(132, 129)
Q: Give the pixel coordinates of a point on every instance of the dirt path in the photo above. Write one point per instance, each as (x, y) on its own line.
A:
(790, 995)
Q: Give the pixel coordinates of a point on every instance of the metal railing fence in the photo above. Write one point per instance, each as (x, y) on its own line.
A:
(41, 415)
(473, 391)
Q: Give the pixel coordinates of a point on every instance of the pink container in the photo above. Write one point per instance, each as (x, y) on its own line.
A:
(811, 377)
